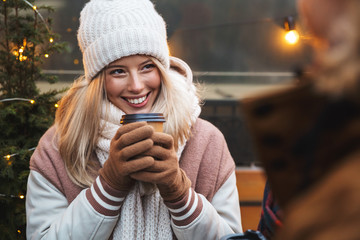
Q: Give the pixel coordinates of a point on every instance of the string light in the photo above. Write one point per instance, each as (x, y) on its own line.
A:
(51, 40)
(41, 17)
(46, 55)
(12, 196)
(9, 156)
(292, 36)
(32, 101)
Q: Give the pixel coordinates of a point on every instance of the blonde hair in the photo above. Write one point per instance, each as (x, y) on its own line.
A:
(78, 128)
(78, 119)
(338, 66)
(177, 101)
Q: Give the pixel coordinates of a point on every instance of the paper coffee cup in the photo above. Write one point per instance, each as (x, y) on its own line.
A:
(154, 119)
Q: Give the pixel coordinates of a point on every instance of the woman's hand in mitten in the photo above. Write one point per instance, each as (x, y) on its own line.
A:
(165, 172)
(125, 156)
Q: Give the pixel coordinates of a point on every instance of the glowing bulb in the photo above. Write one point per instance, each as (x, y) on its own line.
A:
(292, 37)
(34, 7)
(46, 55)
(8, 157)
(51, 40)
(56, 105)
(19, 232)
(32, 101)
(22, 58)
(21, 50)
(21, 196)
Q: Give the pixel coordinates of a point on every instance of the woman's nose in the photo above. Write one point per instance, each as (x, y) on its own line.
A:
(135, 83)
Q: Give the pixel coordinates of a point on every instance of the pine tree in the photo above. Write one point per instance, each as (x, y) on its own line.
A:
(26, 40)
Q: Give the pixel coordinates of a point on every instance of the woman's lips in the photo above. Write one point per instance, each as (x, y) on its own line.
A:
(138, 101)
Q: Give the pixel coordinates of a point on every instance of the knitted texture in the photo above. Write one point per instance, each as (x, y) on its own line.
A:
(112, 29)
(143, 210)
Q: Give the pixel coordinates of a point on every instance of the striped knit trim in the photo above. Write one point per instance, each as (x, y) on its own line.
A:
(186, 210)
(105, 199)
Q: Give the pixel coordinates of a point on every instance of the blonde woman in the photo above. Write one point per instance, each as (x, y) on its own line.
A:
(93, 178)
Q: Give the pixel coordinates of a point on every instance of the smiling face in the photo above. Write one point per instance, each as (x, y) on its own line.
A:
(133, 83)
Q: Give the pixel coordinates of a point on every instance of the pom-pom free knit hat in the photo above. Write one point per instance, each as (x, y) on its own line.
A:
(112, 29)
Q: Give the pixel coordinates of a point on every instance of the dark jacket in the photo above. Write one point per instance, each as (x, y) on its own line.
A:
(303, 138)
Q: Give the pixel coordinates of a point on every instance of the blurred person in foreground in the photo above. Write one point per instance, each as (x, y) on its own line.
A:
(308, 136)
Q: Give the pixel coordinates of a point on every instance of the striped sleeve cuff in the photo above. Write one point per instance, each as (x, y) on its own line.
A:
(186, 210)
(105, 199)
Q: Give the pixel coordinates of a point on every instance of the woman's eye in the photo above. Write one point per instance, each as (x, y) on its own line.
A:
(149, 66)
(117, 72)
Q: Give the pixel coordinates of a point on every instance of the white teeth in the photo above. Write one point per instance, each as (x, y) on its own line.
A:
(136, 100)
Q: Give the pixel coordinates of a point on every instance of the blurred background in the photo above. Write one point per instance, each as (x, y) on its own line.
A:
(236, 48)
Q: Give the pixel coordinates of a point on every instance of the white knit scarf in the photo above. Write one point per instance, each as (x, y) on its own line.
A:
(143, 214)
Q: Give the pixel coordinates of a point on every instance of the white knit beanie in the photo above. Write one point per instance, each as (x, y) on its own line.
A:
(112, 29)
